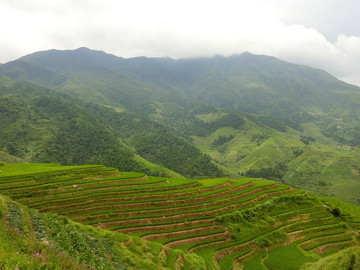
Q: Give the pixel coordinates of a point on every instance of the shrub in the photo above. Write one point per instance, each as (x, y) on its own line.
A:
(335, 212)
(271, 238)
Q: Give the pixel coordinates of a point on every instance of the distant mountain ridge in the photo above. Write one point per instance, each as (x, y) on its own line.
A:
(247, 83)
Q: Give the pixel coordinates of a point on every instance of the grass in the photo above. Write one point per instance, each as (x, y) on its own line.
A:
(5, 157)
(14, 169)
(156, 168)
(326, 238)
(183, 204)
(322, 167)
(184, 213)
(25, 236)
(178, 197)
(86, 194)
(228, 261)
(191, 236)
(211, 117)
(208, 211)
(295, 258)
(256, 262)
(346, 259)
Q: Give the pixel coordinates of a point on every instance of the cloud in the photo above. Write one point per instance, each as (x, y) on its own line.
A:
(330, 17)
(187, 29)
(349, 67)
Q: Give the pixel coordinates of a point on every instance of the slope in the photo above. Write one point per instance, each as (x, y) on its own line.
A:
(40, 125)
(95, 76)
(307, 160)
(257, 84)
(229, 223)
(30, 240)
(302, 124)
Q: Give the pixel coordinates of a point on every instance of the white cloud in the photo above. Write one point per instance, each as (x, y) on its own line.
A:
(349, 67)
(187, 29)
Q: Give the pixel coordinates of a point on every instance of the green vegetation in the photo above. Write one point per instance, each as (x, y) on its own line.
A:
(155, 169)
(276, 173)
(224, 223)
(40, 125)
(242, 116)
(246, 114)
(29, 240)
(223, 139)
(256, 262)
(295, 258)
(322, 167)
(5, 157)
(344, 260)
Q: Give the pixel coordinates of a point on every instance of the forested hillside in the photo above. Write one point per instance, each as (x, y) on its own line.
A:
(273, 90)
(240, 115)
(46, 126)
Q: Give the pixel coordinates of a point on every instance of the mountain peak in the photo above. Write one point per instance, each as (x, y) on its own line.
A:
(83, 49)
(80, 59)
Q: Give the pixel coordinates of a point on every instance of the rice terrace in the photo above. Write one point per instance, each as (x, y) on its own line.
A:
(184, 224)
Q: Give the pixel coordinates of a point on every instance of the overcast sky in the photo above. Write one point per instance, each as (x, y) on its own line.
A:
(319, 33)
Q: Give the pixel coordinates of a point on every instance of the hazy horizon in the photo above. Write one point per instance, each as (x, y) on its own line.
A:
(320, 34)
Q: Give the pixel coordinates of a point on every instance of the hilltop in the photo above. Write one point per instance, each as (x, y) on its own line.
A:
(211, 223)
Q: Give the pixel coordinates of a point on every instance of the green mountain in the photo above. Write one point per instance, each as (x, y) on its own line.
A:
(248, 83)
(141, 222)
(42, 125)
(248, 114)
(273, 92)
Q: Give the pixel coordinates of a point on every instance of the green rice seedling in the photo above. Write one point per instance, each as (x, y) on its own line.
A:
(228, 261)
(326, 238)
(295, 258)
(256, 262)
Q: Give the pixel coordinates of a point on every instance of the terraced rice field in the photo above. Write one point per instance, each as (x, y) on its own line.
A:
(228, 222)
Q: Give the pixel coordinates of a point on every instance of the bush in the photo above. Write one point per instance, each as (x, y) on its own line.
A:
(223, 139)
(271, 238)
(335, 212)
(273, 173)
(195, 262)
